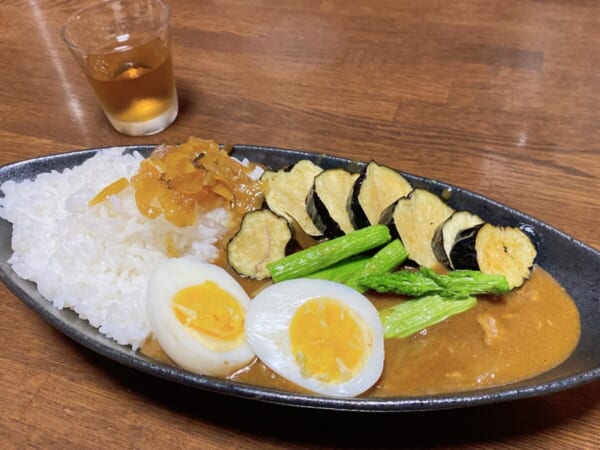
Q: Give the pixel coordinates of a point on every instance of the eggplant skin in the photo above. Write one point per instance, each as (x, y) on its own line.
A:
(326, 202)
(357, 214)
(447, 232)
(413, 220)
(374, 190)
(263, 237)
(463, 254)
(317, 211)
(495, 250)
(387, 218)
(286, 191)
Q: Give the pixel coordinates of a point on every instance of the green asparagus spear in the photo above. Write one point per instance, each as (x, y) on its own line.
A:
(472, 282)
(385, 260)
(341, 271)
(405, 282)
(327, 253)
(426, 281)
(414, 315)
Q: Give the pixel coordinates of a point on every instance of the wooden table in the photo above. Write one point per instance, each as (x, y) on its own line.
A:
(499, 97)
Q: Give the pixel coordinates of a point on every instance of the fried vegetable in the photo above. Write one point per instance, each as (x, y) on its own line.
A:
(341, 271)
(492, 249)
(286, 190)
(412, 316)
(414, 220)
(327, 202)
(426, 281)
(473, 282)
(374, 190)
(350, 271)
(445, 234)
(328, 253)
(303, 239)
(405, 282)
(382, 262)
(262, 238)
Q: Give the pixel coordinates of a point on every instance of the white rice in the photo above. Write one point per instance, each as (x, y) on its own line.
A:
(97, 260)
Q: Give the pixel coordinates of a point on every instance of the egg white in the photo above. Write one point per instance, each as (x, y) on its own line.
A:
(194, 352)
(268, 323)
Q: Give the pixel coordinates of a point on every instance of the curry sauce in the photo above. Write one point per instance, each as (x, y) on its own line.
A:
(501, 340)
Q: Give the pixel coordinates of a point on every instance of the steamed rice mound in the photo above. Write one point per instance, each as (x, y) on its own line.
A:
(97, 260)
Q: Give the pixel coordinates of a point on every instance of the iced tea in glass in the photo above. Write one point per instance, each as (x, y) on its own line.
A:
(124, 49)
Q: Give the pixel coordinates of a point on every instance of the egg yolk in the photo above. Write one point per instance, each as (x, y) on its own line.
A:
(329, 341)
(210, 310)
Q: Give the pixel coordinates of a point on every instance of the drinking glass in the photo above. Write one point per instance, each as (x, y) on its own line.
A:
(124, 49)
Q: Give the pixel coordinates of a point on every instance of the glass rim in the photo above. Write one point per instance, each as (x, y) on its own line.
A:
(99, 4)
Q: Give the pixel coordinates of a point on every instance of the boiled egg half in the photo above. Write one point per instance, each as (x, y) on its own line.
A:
(197, 312)
(321, 335)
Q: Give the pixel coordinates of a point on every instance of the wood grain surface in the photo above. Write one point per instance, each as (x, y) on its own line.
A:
(501, 97)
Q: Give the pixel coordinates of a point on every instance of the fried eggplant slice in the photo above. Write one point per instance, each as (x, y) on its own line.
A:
(374, 190)
(492, 249)
(302, 239)
(286, 191)
(414, 220)
(445, 234)
(263, 237)
(327, 202)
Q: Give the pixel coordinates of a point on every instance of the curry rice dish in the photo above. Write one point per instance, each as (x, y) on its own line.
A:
(92, 238)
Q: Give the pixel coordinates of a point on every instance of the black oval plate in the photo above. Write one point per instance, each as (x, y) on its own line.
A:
(571, 262)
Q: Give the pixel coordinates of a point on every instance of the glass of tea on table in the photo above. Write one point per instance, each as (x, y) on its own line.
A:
(124, 49)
